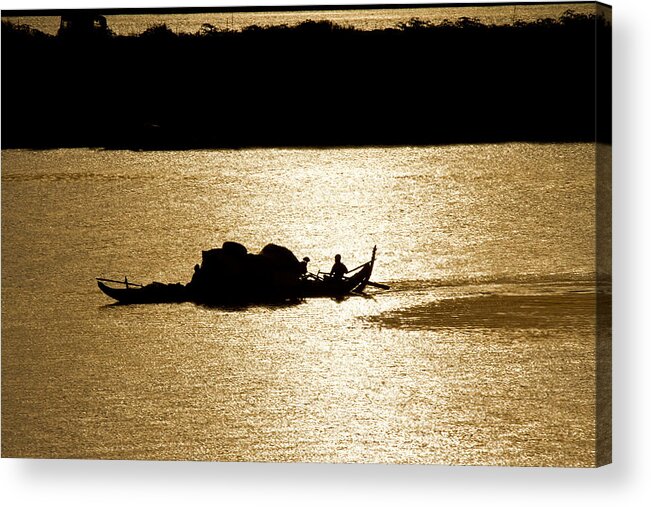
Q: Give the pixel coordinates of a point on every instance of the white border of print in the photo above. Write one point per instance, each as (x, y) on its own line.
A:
(625, 482)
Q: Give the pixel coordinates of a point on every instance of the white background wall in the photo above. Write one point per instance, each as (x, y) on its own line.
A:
(626, 482)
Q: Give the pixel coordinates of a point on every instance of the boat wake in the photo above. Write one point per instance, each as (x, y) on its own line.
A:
(536, 304)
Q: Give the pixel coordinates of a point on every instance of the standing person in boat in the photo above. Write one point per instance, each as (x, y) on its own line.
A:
(339, 269)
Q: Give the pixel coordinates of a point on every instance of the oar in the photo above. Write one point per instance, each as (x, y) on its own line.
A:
(123, 282)
(378, 285)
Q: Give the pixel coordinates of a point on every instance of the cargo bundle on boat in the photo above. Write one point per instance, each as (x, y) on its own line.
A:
(232, 275)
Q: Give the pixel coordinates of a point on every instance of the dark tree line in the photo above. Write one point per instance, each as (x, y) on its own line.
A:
(316, 84)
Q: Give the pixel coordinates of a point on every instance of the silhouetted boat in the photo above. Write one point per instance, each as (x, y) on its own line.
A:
(308, 286)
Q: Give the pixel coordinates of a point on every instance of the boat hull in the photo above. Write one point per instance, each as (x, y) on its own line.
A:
(154, 293)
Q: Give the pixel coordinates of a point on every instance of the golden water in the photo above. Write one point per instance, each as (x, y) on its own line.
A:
(482, 352)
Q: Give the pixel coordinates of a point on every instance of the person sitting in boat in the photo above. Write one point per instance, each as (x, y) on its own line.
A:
(195, 276)
(339, 269)
(302, 267)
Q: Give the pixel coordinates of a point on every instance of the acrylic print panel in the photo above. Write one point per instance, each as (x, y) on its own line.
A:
(167, 148)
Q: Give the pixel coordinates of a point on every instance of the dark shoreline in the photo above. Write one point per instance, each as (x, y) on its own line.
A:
(276, 8)
(316, 84)
(294, 146)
